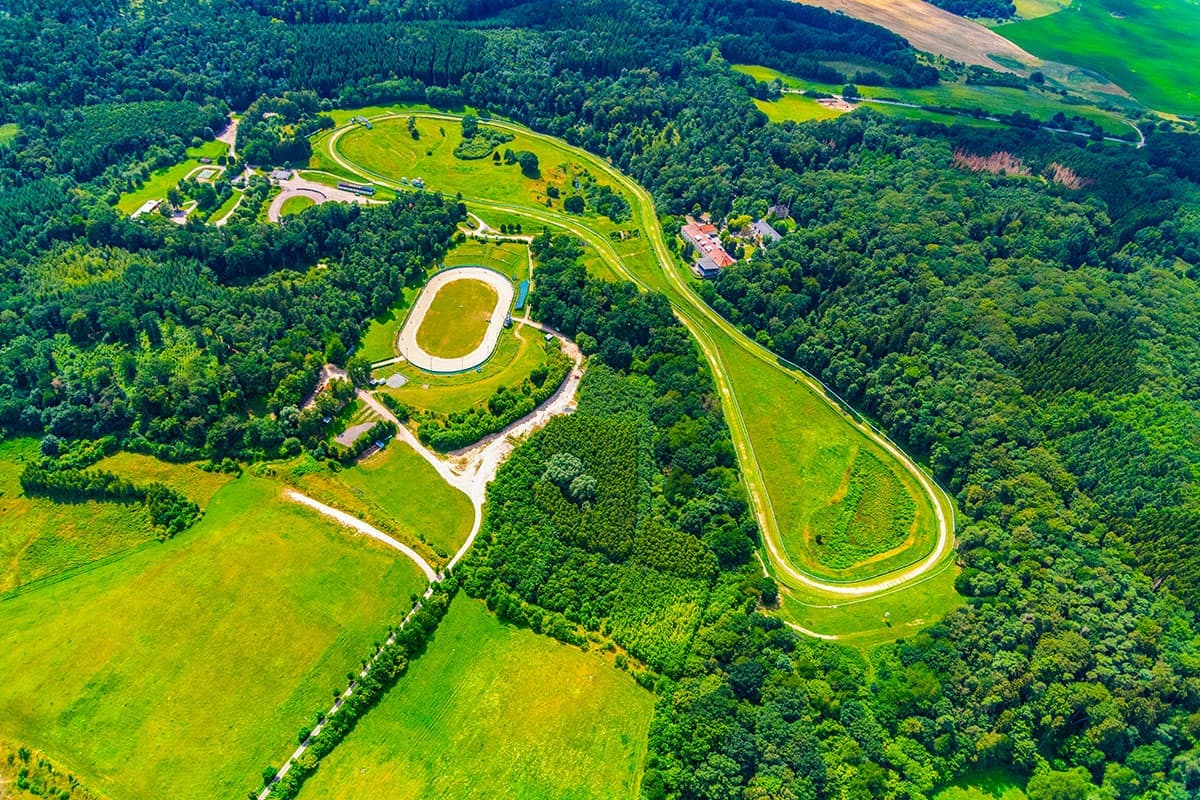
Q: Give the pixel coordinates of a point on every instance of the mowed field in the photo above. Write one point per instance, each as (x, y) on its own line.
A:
(495, 711)
(296, 204)
(163, 180)
(389, 151)
(182, 668)
(1151, 48)
(508, 258)
(457, 319)
(519, 351)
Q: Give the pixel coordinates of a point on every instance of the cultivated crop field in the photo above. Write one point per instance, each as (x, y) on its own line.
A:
(146, 673)
(457, 318)
(1151, 48)
(495, 711)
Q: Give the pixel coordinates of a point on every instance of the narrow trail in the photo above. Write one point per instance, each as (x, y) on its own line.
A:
(705, 324)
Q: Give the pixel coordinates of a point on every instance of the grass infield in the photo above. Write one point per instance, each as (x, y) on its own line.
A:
(457, 319)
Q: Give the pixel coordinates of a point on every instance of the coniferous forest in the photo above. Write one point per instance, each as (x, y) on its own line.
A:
(1034, 339)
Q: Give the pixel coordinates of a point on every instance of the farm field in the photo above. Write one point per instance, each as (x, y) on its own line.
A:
(1148, 47)
(296, 204)
(995, 100)
(40, 538)
(397, 491)
(163, 180)
(1032, 9)
(457, 318)
(519, 351)
(495, 711)
(146, 672)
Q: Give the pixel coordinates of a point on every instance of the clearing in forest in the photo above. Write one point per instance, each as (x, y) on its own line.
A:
(146, 671)
(490, 710)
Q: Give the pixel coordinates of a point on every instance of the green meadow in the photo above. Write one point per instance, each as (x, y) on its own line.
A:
(1150, 48)
(8, 132)
(395, 490)
(495, 711)
(296, 204)
(509, 258)
(457, 318)
(146, 674)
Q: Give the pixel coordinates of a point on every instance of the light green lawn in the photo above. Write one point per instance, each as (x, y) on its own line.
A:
(995, 100)
(184, 667)
(8, 132)
(795, 108)
(495, 711)
(518, 352)
(1032, 9)
(1148, 47)
(397, 491)
(194, 483)
(457, 318)
(296, 204)
(988, 784)
(163, 180)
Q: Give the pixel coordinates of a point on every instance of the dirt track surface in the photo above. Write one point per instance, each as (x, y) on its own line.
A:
(419, 357)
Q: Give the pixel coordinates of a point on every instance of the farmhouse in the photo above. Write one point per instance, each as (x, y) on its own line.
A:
(711, 257)
(281, 175)
(145, 208)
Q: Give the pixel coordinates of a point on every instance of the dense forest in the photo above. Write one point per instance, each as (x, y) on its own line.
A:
(992, 9)
(1032, 335)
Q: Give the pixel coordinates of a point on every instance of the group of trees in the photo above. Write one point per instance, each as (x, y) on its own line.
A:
(169, 510)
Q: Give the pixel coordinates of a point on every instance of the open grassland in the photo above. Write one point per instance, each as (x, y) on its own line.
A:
(796, 108)
(457, 319)
(379, 342)
(395, 490)
(183, 668)
(519, 351)
(40, 538)
(1150, 47)
(508, 258)
(969, 100)
(295, 204)
(192, 482)
(390, 152)
(809, 457)
(163, 180)
(1032, 9)
(495, 711)
(8, 132)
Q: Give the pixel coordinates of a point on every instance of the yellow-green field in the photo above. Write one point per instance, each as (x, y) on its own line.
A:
(495, 711)
(457, 319)
(796, 108)
(148, 675)
(395, 490)
(8, 132)
(508, 258)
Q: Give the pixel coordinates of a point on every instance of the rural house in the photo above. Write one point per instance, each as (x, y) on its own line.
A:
(711, 257)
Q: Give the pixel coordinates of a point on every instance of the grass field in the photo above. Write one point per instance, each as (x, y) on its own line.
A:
(961, 96)
(989, 784)
(1032, 9)
(457, 319)
(495, 711)
(390, 151)
(796, 108)
(508, 258)
(163, 180)
(1148, 47)
(296, 204)
(8, 132)
(518, 351)
(183, 668)
(40, 538)
(396, 491)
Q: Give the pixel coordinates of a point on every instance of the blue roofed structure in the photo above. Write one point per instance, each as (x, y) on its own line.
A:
(522, 293)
